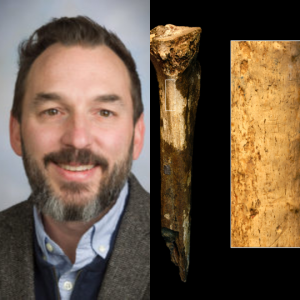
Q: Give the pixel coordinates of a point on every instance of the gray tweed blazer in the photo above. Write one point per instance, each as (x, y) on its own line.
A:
(127, 275)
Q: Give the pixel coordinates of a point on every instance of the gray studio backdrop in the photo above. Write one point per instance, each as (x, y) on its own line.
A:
(129, 19)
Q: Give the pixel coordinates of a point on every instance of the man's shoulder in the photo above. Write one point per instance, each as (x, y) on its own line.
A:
(140, 196)
(16, 252)
(16, 215)
(137, 188)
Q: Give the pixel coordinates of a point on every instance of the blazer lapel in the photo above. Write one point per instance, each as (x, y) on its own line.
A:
(128, 271)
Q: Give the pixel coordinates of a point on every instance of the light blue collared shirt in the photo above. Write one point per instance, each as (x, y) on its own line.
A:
(94, 242)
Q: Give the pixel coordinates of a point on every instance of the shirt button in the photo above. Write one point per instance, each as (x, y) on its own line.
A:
(101, 248)
(49, 247)
(68, 285)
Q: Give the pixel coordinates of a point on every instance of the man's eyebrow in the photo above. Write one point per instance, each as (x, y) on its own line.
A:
(110, 98)
(44, 97)
(106, 98)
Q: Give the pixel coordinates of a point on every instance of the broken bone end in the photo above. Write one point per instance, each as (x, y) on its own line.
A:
(173, 47)
(171, 239)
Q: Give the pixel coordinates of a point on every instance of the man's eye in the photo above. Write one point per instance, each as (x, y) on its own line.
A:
(51, 112)
(105, 113)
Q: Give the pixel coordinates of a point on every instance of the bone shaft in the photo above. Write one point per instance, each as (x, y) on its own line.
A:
(176, 169)
(179, 90)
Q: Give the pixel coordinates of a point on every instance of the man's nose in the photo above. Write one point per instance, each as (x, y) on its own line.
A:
(77, 132)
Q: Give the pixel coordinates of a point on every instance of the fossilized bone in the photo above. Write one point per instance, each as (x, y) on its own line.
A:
(173, 52)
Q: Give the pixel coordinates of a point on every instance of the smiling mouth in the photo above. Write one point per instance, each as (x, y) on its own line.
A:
(79, 168)
(80, 162)
(71, 171)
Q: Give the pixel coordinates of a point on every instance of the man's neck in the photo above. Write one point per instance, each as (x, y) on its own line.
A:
(68, 234)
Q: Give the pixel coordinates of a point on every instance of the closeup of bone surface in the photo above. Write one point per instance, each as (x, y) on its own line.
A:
(173, 53)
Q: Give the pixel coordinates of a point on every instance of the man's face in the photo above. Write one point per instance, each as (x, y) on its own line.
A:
(77, 138)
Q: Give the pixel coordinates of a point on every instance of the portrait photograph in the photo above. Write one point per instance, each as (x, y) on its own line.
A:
(75, 150)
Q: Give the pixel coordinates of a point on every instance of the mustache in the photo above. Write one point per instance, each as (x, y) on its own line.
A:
(80, 156)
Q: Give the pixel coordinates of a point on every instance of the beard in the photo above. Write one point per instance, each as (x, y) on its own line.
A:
(74, 205)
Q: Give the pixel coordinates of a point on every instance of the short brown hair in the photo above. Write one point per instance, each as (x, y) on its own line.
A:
(79, 30)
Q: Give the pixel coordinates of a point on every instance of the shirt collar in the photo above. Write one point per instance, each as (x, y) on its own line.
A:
(97, 237)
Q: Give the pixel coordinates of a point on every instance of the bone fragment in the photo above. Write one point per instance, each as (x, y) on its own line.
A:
(173, 52)
(265, 143)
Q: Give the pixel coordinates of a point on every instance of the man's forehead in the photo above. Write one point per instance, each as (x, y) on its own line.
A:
(58, 55)
(83, 66)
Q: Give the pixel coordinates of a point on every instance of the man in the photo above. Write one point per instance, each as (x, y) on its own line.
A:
(77, 121)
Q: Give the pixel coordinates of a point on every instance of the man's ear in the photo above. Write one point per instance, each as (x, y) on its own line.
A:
(139, 133)
(15, 135)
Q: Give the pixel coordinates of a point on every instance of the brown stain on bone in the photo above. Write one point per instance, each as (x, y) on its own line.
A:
(244, 67)
(176, 195)
(245, 49)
